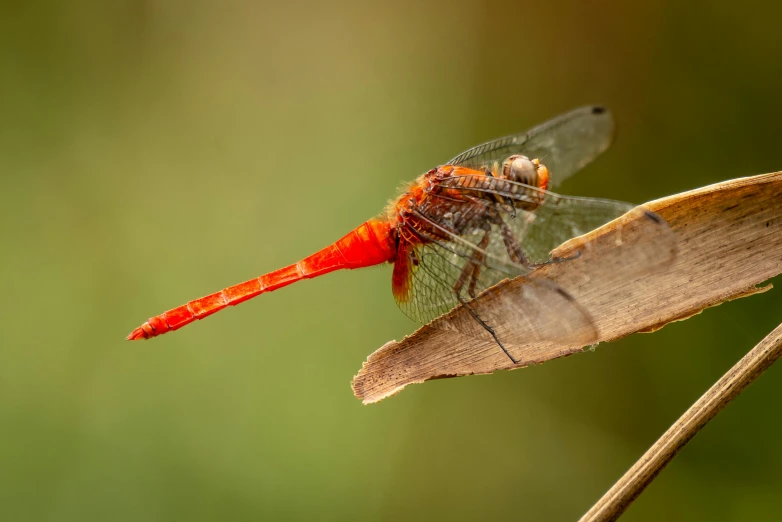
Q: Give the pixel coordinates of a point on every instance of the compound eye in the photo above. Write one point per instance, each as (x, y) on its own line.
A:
(520, 169)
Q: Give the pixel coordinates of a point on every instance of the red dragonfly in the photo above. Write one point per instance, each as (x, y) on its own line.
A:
(484, 216)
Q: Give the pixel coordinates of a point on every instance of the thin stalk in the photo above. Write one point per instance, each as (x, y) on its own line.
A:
(642, 473)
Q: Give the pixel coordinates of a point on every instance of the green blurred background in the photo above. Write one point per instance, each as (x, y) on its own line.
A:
(155, 151)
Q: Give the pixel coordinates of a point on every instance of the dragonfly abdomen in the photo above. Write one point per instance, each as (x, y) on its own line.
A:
(368, 245)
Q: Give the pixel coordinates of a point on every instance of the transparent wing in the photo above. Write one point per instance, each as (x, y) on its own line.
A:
(448, 262)
(564, 144)
(543, 311)
(560, 218)
(438, 264)
(552, 219)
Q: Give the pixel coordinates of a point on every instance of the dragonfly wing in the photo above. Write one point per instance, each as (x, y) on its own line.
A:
(564, 144)
(541, 312)
(440, 258)
(538, 313)
(560, 218)
(554, 219)
(430, 281)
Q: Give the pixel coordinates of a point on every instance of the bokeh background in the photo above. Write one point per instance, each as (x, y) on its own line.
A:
(155, 151)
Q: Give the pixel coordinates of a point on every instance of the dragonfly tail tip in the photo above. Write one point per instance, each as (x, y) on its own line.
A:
(137, 334)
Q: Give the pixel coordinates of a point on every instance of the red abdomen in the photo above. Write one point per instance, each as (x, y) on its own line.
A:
(370, 244)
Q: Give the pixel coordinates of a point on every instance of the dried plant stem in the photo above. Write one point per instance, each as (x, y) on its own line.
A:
(626, 490)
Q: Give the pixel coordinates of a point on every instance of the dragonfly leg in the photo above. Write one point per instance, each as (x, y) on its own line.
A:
(514, 248)
(485, 326)
(517, 255)
(478, 255)
(556, 260)
(472, 270)
(474, 280)
(512, 244)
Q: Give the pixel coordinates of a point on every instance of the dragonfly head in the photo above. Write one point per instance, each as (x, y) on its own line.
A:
(521, 169)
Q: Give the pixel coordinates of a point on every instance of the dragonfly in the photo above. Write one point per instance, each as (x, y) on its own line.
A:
(461, 228)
